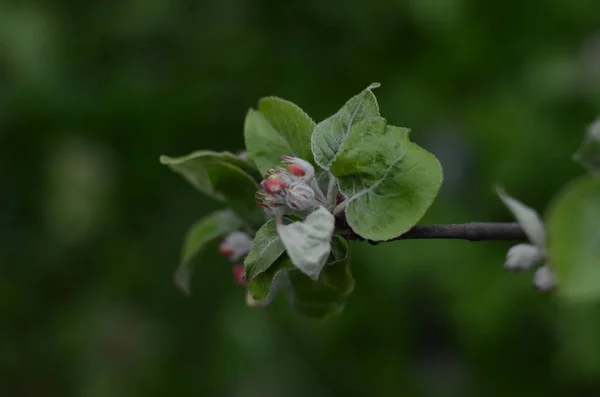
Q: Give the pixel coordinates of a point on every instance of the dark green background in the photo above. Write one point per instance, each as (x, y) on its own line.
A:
(92, 92)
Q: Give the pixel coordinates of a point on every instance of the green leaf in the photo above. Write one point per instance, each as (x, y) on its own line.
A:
(388, 181)
(329, 134)
(217, 175)
(527, 217)
(574, 228)
(308, 243)
(267, 248)
(263, 287)
(588, 154)
(278, 128)
(339, 250)
(324, 297)
(204, 231)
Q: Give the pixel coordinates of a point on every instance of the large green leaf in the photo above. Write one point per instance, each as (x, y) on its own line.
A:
(218, 176)
(278, 128)
(324, 297)
(329, 134)
(389, 182)
(574, 228)
(201, 233)
(267, 248)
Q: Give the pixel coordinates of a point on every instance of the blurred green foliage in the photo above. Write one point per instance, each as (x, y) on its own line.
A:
(92, 92)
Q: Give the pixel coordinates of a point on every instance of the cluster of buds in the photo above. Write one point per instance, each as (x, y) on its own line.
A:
(522, 257)
(290, 189)
(235, 247)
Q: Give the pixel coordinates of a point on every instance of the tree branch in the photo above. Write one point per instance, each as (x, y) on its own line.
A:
(473, 231)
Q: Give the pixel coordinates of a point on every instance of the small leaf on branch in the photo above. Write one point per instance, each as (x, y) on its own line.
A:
(267, 248)
(278, 127)
(527, 217)
(329, 134)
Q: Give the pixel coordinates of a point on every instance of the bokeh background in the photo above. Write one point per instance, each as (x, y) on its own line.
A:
(92, 92)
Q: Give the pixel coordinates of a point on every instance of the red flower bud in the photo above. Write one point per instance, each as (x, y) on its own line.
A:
(238, 274)
(274, 184)
(225, 251)
(296, 170)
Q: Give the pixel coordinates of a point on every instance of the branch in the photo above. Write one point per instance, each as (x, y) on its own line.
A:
(473, 231)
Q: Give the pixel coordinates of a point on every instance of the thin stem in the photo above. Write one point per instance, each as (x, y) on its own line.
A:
(473, 231)
(340, 207)
(332, 191)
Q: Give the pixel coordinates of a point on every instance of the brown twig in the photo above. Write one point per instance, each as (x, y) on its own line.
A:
(473, 231)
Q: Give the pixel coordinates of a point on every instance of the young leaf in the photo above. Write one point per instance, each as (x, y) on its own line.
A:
(527, 217)
(308, 243)
(266, 250)
(329, 134)
(263, 287)
(201, 233)
(325, 296)
(339, 250)
(574, 249)
(588, 154)
(215, 175)
(278, 128)
(389, 182)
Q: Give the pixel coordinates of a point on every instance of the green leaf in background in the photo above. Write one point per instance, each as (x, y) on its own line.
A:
(263, 287)
(527, 217)
(389, 182)
(329, 134)
(308, 243)
(588, 154)
(201, 233)
(324, 297)
(267, 248)
(278, 128)
(573, 221)
(217, 175)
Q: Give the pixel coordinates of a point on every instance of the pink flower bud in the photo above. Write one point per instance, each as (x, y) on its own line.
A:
(225, 251)
(236, 246)
(299, 168)
(238, 274)
(273, 184)
(296, 170)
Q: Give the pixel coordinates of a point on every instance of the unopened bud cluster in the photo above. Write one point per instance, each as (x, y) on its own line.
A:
(290, 189)
(523, 257)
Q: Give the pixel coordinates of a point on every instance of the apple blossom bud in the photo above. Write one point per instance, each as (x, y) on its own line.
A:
(238, 274)
(544, 279)
(236, 246)
(299, 168)
(273, 184)
(522, 257)
(296, 170)
(301, 198)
